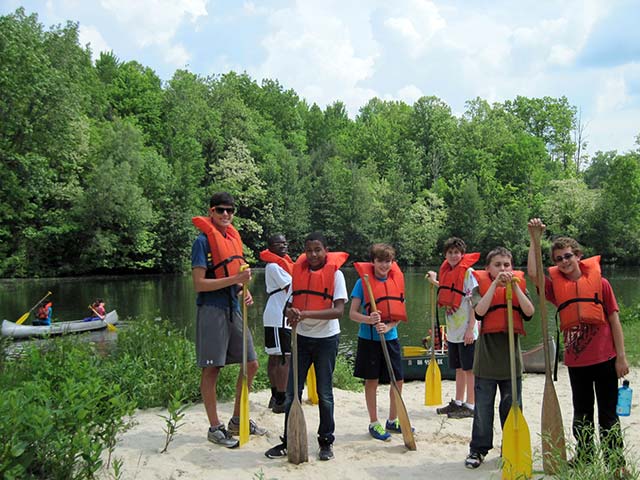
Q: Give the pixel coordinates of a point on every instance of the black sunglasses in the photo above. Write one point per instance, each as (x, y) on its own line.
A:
(566, 256)
(221, 210)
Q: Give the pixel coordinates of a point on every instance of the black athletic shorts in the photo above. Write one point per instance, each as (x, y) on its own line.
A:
(370, 363)
(277, 340)
(461, 355)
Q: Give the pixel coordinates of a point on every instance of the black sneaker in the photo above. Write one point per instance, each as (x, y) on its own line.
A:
(461, 412)
(326, 452)
(452, 406)
(474, 460)
(278, 407)
(278, 451)
(272, 401)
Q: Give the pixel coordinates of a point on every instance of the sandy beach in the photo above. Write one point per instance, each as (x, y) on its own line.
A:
(442, 443)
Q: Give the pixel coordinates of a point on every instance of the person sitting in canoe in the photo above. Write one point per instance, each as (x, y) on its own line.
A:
(43, 314)
(98, 311)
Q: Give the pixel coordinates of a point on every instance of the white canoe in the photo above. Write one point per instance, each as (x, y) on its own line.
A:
(11, 329)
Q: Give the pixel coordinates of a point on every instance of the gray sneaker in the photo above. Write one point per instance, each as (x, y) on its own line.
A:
(254, 429)
(220, 436)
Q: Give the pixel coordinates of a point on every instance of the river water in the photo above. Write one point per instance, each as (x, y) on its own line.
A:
(172, 297)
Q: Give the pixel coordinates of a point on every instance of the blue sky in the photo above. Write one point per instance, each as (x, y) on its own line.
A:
(327, 50)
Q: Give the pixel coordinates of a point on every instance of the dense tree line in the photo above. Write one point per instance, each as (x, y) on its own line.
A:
(103, 166)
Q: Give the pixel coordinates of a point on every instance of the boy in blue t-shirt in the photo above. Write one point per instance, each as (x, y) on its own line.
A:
(388, 289)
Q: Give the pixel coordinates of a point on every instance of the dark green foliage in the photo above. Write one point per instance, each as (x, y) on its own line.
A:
(102, 166)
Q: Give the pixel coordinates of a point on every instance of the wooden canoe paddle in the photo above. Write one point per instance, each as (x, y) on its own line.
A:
(553, 442)
(403, 416)
(297, 449)
(244, 396)
(433, 377)
(516, 439)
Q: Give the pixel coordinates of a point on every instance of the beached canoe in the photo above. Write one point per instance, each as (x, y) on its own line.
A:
(11, 329)
(415, 361)
(533, 359)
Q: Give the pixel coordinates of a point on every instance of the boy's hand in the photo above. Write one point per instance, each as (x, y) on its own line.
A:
(293, 316)
(243, 276)
(536, 225)
(432, 276)
(622, 367)
(374, 318)
(468, 336)
(382, 328)
(248, 300)
(503, 278)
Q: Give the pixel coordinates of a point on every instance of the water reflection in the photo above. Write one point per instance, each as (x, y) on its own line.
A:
(172, 297)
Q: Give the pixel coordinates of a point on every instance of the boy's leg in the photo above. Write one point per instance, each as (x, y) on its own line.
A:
(370, 390)
(469, 380)
(212, 340)
(582, 395)
(324, 353)
(208, 383)
(395, 355)
(482, 431)
(606, 387)
(466, 362)
(506, 398)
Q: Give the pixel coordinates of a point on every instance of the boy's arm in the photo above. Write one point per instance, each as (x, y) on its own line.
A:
(202, 284)
(622, 366)
(328, 314)
(482, 307)
(357, 316)
(523, 299)
(468, 334)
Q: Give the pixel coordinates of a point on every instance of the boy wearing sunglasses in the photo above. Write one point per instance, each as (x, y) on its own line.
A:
(216, 258)
(593, 342)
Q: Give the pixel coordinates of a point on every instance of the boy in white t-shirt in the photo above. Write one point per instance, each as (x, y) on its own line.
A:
(455, 284)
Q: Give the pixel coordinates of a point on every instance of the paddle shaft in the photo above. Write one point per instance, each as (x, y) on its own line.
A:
(296, 431)
(403, 416)
(543, 304)
(553, 441)
(512, 344)
(24, 317)
(432, 293)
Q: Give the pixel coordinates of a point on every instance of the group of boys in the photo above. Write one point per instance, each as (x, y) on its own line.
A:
(310, 293)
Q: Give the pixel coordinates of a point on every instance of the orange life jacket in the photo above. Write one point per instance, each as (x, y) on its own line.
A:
(496, 319)
(285, 262)
(580, 301)
(43, 312)
(313, 289)
(389, 294)
(226, 250)
(451, 281)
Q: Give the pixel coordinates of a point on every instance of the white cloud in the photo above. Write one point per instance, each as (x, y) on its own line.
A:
(409, 94)
(177, 55)
(613, 94)
(417, 22)
(154, 22)
(323, 51)
(89, 34)
(251, 9)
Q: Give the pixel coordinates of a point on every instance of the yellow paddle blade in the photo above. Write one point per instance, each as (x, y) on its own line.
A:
(433, 385)
(111, 327)
(312, 386)
(21, 320)
(244, 413)
(516, 446)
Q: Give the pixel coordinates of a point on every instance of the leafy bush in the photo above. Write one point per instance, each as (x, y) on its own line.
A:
(58, 413)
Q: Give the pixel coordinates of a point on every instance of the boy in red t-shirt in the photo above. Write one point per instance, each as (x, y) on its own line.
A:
(593, 341)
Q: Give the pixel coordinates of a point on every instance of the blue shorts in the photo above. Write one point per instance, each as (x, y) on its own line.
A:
(370, 362)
